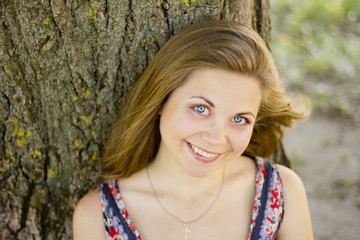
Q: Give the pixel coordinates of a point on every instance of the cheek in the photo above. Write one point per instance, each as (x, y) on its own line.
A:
(179, 124)
(187, 125)
(239, 141)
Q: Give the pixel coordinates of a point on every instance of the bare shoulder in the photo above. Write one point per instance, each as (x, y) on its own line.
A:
(290, 179)
(88, 221)
(297, 221)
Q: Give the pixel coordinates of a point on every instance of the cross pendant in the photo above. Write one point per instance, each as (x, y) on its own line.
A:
(186, 231)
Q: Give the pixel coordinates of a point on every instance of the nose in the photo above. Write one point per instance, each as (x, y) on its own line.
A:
(215, 133)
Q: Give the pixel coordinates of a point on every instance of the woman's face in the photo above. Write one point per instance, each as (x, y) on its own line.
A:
(208, 121)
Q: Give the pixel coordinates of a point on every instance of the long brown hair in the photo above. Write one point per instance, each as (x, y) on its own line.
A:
(135, 137)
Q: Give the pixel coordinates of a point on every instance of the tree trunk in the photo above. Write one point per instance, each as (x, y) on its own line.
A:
(64, 69)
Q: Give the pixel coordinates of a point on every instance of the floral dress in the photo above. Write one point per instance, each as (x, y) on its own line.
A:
(267, 215)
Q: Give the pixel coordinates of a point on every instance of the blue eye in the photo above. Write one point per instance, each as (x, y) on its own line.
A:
(201, 109)
(239, 120)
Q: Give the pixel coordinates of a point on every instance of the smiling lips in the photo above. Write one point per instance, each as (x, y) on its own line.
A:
(202, 155)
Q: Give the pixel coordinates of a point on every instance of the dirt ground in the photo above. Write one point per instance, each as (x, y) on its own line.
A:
(326, 155)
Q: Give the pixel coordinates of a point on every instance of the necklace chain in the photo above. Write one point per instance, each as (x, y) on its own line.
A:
(171, 214)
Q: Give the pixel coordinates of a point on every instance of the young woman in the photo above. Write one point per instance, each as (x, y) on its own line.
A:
(185, 158)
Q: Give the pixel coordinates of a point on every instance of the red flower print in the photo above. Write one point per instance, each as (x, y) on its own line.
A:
(113, 192)
(112, 232)
(132, 227)
(125, 213)
(263, 169)
(275, 192)
(275, 203)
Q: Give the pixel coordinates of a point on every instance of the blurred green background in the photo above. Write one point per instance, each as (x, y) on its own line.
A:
(316, 44)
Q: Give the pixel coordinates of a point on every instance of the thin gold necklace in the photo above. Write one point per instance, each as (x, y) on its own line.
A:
(186, 229)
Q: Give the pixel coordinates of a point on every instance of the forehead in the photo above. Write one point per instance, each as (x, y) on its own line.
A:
(209, 78)
(221, 86)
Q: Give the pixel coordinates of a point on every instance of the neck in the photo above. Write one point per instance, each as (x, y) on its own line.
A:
(188, 205)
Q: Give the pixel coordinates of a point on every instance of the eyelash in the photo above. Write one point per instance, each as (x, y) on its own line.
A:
(195, 108)
(243, 118)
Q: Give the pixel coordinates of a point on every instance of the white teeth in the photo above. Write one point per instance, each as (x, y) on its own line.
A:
(203, 153)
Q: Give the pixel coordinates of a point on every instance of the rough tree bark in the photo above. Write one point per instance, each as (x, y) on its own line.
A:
(64, 69)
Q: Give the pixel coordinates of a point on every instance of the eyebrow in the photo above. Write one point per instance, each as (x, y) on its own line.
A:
(205, 99)
(246, 113)
(213, 105)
